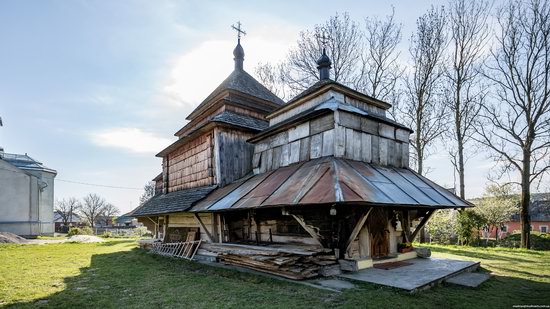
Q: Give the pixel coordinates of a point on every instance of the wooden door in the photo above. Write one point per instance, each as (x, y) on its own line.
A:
(377, 224)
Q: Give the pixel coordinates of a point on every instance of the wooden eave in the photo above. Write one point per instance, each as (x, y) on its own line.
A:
(345, 90)
(209, 126)
(225, 94)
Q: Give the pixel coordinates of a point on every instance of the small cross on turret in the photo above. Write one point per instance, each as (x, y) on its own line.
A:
(239, 30)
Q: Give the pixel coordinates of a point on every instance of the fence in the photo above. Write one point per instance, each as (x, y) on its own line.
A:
(184, 250)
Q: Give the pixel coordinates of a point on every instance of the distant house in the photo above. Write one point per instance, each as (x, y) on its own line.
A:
(126, 221)
(116, 222)
(62, 227)
(26, 195)
(539, 209)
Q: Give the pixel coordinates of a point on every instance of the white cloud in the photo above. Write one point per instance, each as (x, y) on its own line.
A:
(195, 74)
(131, 139)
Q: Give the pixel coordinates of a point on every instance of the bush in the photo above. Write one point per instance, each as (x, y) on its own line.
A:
(442, 227)
(107, 234)
(80, 231)
(538, 241)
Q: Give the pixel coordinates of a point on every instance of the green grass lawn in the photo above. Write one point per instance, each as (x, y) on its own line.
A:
(116, 274)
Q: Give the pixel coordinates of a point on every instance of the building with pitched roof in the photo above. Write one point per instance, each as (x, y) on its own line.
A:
(26, 196)
(327, 169)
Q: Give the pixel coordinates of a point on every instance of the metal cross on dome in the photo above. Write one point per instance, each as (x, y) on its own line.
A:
(239, 30)
(323, 37)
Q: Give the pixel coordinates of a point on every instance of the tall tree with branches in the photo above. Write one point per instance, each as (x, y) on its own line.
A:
(66, 209)
(422, 109)
(464, 93)
(380, 71)
(299, 70)
(93, 206)
(516, 126)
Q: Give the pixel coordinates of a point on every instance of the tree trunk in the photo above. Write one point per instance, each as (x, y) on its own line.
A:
(525, 218)
(461, 167)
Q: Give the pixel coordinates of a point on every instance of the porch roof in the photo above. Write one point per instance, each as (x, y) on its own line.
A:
(177, 201)
(331, 180)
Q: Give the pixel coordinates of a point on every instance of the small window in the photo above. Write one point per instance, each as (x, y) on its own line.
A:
(504, 228)
(543, 228)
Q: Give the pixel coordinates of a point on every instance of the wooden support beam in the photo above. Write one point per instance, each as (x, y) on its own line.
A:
(421, 224)
(357, 229)
(203, 226)
(405, 225)
(311, 230)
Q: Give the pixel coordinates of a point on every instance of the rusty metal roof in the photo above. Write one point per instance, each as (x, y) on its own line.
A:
(331, 180)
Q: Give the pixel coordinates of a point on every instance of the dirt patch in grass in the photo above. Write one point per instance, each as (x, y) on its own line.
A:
(9, 238)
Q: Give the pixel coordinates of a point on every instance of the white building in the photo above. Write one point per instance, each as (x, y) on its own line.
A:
(26, 195)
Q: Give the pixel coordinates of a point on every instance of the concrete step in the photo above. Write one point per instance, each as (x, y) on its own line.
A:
(469, 279)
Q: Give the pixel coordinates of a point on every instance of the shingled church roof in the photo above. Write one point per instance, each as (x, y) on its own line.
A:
(241, 81)
(172, 202)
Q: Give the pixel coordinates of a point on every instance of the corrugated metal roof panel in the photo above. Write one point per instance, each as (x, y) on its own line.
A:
(332, 180)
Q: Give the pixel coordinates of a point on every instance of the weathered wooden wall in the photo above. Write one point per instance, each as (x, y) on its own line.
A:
(188, 220)
(340, 134)
(369, 140)
(191, 165)
(233, 155)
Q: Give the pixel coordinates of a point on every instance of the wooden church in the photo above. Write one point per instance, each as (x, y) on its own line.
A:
(315, 185)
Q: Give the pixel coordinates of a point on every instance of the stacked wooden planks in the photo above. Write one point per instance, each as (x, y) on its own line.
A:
(290, 262)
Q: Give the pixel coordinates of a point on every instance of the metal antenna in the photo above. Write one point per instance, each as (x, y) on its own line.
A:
(239, 30)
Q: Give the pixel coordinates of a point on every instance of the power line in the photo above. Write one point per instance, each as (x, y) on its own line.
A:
(83, 183)
(97, 185)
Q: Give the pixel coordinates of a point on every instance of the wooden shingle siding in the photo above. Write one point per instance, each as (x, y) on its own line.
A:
(191, 165)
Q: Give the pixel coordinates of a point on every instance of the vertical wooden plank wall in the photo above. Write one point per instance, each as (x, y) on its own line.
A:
(233, 155)
(340, 134)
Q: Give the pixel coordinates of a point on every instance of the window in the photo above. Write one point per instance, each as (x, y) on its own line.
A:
(504, 228)
(543, 228)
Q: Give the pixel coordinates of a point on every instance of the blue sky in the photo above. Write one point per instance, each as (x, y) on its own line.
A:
(94, 89)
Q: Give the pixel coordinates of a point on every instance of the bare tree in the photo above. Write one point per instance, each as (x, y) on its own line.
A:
(272, 76)
(516, 126)
(148, 192)
(93, 206)
(109, 211)
(66, 208)
(422, 109)
(464, 93)
(380, 70)
(343, 48)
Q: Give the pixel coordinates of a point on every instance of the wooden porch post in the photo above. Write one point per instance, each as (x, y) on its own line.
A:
(405, 225)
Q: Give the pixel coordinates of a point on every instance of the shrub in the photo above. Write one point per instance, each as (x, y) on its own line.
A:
(539, 241)
(73, 231)
(469, 222)
(107, 234)
(87, 231)
(442, 227)
(80, 231)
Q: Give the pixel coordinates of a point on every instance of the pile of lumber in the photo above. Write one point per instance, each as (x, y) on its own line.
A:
(289, 262)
